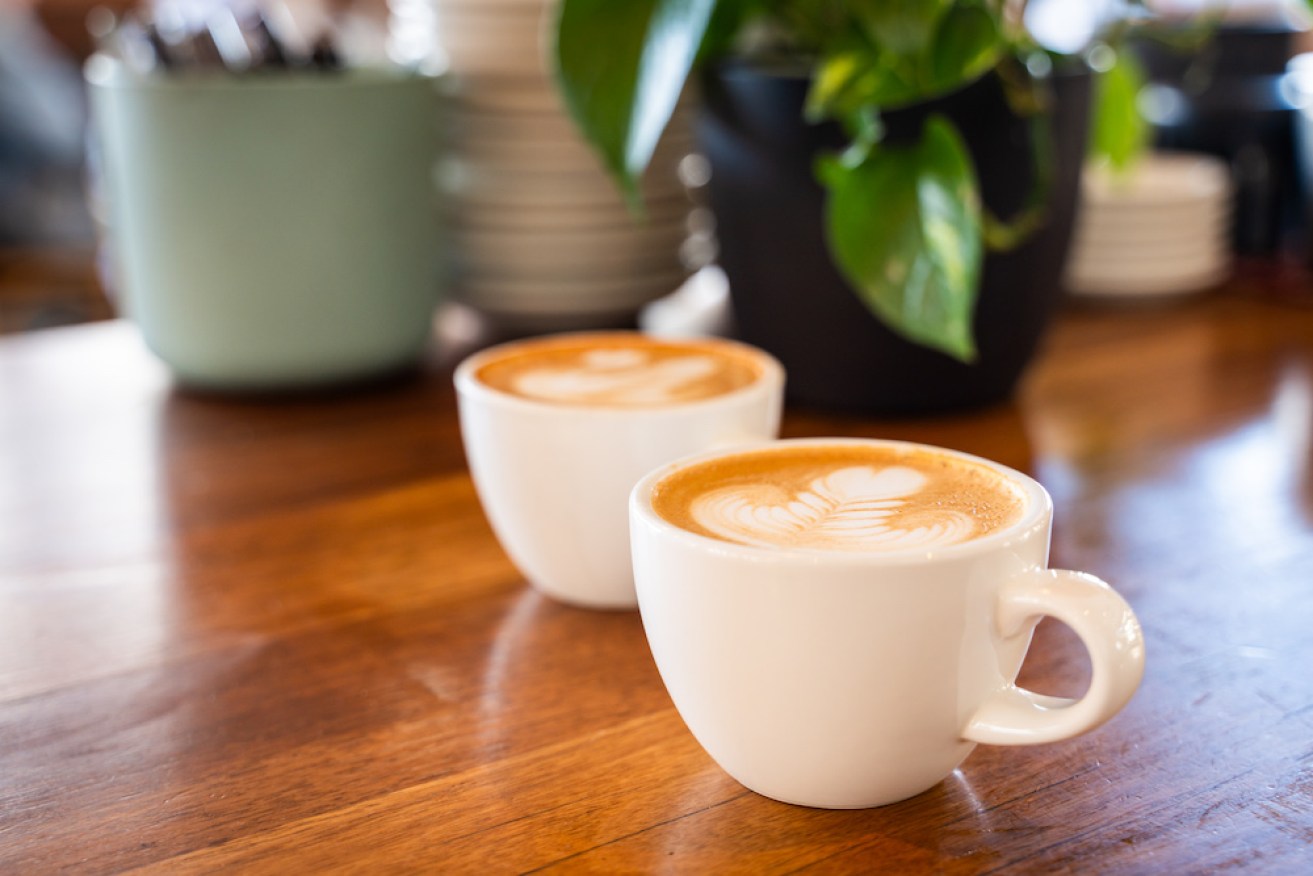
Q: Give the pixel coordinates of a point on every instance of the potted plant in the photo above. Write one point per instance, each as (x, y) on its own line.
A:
(865, 155)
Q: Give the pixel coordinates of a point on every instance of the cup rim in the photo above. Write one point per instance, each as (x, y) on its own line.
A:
(468, 385)
(1038, 513)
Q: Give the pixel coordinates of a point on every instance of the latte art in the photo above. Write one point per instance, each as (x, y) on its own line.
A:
(619, 370)
(857, 508)
(621, 377)
(839, 498)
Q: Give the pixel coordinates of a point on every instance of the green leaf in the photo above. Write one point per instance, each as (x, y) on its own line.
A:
(904, 27)
(835, 77)
(904, 228)
(969, 42)
(1120, 134)
(621, 66)
(888, 63)
(852, 80)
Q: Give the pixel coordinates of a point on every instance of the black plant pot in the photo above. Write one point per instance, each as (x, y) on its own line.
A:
(789, 298)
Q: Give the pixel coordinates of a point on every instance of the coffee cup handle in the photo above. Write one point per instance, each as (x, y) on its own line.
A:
(1110, 632)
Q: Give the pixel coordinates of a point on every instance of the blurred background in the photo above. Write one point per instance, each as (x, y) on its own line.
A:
(49, 269)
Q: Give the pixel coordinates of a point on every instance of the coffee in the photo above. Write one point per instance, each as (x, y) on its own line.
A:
(557, 431)
(839, 497)
(840, 621)
(619, 369)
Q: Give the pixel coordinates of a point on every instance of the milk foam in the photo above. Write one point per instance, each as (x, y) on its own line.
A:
(855, 508)
(619, 376)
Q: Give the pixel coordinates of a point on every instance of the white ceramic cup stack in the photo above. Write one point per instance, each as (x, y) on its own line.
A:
(542, 238)
(1162, 229)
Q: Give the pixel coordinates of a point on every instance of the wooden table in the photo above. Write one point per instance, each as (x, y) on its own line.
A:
(251, 636)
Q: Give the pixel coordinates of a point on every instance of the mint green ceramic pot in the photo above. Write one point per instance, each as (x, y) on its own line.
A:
(274, 230)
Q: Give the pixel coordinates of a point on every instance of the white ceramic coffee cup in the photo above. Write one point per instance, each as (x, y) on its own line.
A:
(554, 478)
(847, 680)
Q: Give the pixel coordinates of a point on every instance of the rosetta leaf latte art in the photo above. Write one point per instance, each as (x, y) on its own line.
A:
(858, 508)
(617, 376)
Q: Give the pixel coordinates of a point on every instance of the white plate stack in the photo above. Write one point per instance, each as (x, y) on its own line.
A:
(1161, 229)
(542, 238)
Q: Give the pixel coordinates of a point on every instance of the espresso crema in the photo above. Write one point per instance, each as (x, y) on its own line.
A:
(839, 498)
(619, 369)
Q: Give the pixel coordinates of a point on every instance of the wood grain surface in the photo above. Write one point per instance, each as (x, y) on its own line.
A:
(279, 636)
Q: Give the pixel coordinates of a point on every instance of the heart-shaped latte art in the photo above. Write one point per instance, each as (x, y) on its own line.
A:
(859, 508)
(617, 377)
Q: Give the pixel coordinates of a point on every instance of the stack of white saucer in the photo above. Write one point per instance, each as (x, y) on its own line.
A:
(1161, 229)
(542, 238)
